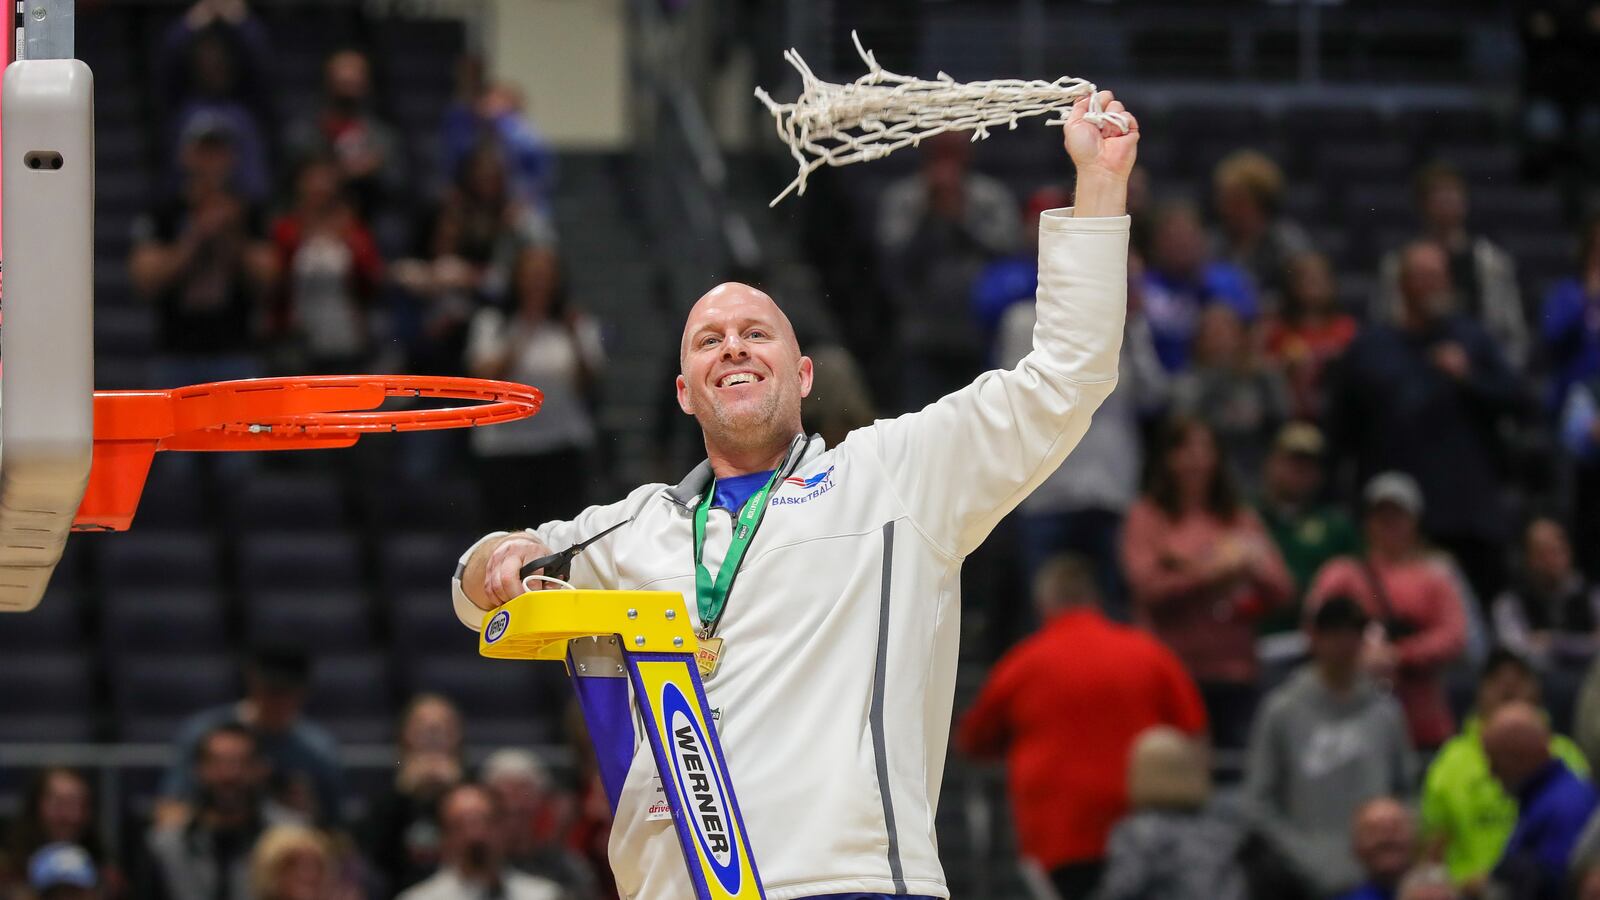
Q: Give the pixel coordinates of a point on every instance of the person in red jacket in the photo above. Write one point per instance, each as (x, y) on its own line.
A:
(1064, 708)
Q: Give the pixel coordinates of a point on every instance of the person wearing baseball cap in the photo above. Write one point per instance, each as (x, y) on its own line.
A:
(1307, 531)
(1412, 596)
(1326, 741)
(62, 872)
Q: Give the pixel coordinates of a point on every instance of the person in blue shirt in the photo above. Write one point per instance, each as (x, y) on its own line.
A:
(1580, 437)
(1014, 278)
(1554, 804)
(1384, 836)
(495, 114)
(1570, 321)
(305, 773)
(1182, 279)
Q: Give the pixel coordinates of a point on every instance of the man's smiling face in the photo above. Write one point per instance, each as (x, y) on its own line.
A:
(742, 375)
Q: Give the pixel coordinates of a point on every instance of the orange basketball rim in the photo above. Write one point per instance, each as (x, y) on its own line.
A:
(293, 413)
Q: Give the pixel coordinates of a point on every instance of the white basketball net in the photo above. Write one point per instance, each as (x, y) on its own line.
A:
(880, 112)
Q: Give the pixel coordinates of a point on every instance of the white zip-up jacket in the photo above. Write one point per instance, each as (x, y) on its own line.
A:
(838, 668)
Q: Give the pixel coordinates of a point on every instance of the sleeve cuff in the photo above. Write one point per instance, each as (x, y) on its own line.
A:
(468, 612)
(1063, 220)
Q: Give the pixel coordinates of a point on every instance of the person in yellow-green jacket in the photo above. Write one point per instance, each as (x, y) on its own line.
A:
(1465, 811)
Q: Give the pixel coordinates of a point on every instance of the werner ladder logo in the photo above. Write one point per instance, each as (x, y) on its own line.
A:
(703, 786)
(497, 626)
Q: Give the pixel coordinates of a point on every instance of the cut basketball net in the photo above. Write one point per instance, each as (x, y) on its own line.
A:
(880, 112)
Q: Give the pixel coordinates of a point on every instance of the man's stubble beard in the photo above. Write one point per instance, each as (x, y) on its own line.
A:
(755, 429)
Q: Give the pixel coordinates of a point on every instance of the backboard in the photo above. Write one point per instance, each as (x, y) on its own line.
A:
(47, 338)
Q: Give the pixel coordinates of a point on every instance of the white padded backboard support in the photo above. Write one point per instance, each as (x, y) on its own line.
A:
(47, 333)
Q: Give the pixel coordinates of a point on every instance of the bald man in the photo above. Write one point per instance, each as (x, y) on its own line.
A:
(1383, 835)
(835, 647)
(1554, 805)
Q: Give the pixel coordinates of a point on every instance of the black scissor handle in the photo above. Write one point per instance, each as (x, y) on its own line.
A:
(559, 565)
(556, 565)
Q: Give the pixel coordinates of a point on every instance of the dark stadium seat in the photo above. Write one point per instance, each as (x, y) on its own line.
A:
(165, 620)
(1485, 164)
(1343, 246)
(418, 561)
(1200, 157)
(1311, 125)
(422, 622)
(1356, 290)
(40, 683)
(505, 695)
(1444, 126)
(1304, 201)
(121, 373)
(67, 726)
(1385, 238)
(1511, 207)
(352, 696)
(512, 732)
(159, 559)
(1361, 159)
(57, 624)
(288, 502)
(449, 505)
(47, 697)
(174, 497)
(327, 561)
(1541, 256)
(130, 329)
(151, 695)
(1235, 122)
(1379, 204)
(319, 619)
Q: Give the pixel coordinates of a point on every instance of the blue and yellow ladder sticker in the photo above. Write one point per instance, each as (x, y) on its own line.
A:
(694, 775)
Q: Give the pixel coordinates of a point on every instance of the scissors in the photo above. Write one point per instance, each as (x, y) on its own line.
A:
(559, 565)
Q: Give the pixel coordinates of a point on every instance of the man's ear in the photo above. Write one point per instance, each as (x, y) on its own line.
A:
(684, 403)
(806, 374)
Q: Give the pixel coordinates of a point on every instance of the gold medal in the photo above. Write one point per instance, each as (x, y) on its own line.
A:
(709, 656)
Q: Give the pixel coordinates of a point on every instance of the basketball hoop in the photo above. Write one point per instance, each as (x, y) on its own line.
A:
(293, 413)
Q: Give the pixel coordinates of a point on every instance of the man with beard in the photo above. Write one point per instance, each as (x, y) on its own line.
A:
(473, 862)
(833, 661)
(207, 855)
(301, 756)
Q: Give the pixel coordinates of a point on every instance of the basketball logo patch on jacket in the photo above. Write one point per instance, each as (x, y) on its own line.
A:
(813, 486)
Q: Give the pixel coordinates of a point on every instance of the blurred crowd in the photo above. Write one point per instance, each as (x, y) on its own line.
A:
(313, 240)
(1347, 555)
(1350, 549)
(312, 243)
(254, 805)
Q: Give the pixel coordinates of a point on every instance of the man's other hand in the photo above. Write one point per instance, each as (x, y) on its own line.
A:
(502, 571)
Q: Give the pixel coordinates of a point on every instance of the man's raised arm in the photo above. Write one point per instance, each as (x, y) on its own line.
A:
(961, 464)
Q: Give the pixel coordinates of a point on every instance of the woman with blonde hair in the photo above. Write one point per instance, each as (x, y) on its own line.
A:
(1172, 846)
(1168, 848)
(1256, 236)
(291, 862)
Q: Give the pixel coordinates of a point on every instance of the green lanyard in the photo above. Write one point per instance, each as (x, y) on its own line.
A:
(712, 596)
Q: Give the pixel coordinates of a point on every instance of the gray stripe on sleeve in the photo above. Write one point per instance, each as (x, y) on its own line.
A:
(896, 870)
